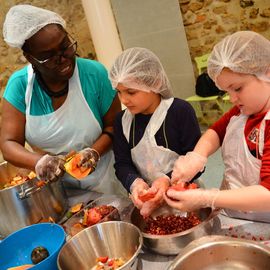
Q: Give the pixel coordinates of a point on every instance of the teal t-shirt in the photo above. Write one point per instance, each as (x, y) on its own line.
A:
(95, 84)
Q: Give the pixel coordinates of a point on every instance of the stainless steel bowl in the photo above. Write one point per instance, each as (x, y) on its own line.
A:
(222, 252)
(172, 244)
(115, 239)
(27, 203)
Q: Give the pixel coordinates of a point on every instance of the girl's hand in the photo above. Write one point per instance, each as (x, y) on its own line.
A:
(159, 186)
(191, 199)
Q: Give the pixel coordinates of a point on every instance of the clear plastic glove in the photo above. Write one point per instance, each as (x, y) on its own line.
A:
(192, 199)
(89, 158)
(138, 187)
(186, 167)
(160, 186)
(50, 168)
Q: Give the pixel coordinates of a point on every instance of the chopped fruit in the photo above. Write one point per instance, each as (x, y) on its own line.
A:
(102, 259)
(74, 170)
(32, 175)
(76, 208)
(147, 195)
(183, 186)
(93, 217)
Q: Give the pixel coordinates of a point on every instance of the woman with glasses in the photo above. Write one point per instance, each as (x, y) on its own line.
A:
(57, 104)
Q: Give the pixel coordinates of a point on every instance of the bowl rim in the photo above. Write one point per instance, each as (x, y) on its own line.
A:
(213, 214)
(106, 223)
(211, 241)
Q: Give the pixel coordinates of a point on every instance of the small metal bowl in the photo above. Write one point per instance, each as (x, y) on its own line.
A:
(172, 244)
(115, 239)
(222, 252)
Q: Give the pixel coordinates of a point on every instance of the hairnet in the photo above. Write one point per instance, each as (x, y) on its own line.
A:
(23, 21)
(243, 52)
(139, 68)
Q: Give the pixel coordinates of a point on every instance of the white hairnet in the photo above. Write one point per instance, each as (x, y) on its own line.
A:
(243, 52)
(23, 21)
(139, 68)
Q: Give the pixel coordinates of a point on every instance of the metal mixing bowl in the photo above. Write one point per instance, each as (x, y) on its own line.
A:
(172, 244)
(222, 252)
(115, 239)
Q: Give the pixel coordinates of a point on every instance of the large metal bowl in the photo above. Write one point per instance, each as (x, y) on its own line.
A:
(27, 203)
(222, 252)
(115, 239)
(172, 244)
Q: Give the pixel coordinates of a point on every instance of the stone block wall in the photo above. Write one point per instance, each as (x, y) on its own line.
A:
(208, 21)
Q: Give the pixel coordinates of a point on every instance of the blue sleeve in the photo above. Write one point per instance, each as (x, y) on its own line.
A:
(16, 88)
(125, 170)
(96, 87)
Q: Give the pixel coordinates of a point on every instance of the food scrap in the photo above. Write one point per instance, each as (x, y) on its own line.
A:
(95, 215)
(74, 209)
(106, 263)
(39, 254)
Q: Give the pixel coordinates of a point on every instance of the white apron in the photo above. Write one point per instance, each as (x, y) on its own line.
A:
(151, 160)
(241, 167)
(73, 126)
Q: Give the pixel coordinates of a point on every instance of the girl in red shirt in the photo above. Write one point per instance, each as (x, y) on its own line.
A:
(239, 65)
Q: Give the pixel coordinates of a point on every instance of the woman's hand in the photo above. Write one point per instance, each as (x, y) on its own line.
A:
(89, 158)
(50, 168)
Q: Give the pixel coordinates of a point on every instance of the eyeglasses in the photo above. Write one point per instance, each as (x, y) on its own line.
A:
(55, 60)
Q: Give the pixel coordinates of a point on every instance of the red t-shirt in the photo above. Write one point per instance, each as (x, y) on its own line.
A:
(251, 135)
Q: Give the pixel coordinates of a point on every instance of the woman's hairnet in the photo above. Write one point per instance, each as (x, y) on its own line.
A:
(23, 21)
(139, 68)
(243, 52)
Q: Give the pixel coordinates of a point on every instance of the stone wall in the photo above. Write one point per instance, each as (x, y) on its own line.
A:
(208, 21)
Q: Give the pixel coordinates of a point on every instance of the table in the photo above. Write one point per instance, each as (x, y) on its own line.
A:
(224, 225)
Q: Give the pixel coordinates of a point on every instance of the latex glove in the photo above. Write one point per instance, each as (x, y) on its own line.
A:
(191, 199)
(186, 167)
(50, 168)
(89, 158)
(160, 186)
(138, 187)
